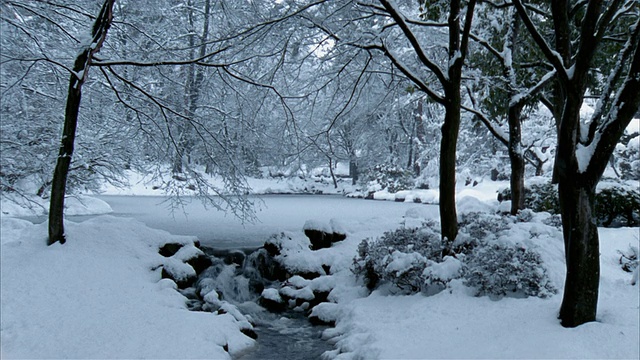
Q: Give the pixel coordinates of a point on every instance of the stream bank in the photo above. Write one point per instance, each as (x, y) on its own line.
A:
(272, 301)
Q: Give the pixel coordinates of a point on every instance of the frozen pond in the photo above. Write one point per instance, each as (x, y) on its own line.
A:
(275, 213)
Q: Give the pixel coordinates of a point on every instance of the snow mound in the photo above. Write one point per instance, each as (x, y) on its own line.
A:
(100, 295)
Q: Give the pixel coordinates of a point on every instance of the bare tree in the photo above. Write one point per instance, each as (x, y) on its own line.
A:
(78, 76)
(449, 80)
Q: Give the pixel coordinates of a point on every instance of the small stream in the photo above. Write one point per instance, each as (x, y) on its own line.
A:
(283, 336)
(286, 337)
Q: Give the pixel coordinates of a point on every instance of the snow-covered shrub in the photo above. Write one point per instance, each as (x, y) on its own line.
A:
(399, 257)
(388, 177)
(413, 260)
(505, 269)
(618, 205)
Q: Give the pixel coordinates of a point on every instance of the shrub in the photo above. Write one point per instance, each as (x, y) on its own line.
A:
(538, 197)
(398, 257)
(500, 270)
(616, 204)
(389, 177)
(411, 260)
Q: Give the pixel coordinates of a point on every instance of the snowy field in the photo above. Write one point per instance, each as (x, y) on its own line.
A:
(98, 296)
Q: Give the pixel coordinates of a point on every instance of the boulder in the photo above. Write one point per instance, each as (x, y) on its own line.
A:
(169, 249)
(271, 300)
(323, 235)
(182, 282)
(200, 263)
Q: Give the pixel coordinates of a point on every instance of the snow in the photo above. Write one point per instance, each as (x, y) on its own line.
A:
(634, 127)
(100, 295)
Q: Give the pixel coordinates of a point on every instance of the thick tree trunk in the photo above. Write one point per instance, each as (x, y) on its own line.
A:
(450, 129)
(580, 299)
(81, 69)
(576, 191)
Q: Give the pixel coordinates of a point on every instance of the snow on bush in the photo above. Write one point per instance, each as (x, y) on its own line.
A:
(501, 270)
(411, 260)
(388, 177)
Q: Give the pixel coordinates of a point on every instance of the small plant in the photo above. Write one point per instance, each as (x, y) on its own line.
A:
(538, 197)
(398, 257)
(629, 259)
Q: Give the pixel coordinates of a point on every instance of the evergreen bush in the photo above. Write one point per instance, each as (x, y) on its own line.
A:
(412, 260)
(389, 177)
(616, 204)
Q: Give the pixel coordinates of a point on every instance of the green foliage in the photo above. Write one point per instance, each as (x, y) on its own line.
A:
(538, 197)
(618, 206)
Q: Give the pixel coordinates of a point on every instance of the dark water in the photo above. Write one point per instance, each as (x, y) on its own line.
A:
(281, 336)
(287, 337)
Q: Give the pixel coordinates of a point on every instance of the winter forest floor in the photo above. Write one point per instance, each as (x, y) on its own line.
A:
(101, 295)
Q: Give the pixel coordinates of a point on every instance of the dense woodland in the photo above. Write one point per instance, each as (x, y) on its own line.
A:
(437, 91)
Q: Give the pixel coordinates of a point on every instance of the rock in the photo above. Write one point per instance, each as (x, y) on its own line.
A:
(249, 332)
(320, 297)
(235, 257)
(319, 239)
(268, 267)
(315, 320)
(200, 263)
(327, 269)
(182, 283)
(271, 300)
(272, 248)
(324, 314)
(323, 235)
(169, 249)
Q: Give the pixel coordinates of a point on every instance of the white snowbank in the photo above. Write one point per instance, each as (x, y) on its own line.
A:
(100, 296)
(380, 326)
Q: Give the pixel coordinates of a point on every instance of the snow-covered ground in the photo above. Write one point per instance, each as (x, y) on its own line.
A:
(98, 296)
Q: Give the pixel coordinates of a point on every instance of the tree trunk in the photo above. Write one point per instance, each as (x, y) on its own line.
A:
(77, 79)
(580, 299)
(353, 171)
(516, 158)
(450, 129)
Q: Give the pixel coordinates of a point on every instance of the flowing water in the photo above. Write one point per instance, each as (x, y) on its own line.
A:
(283, 336)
